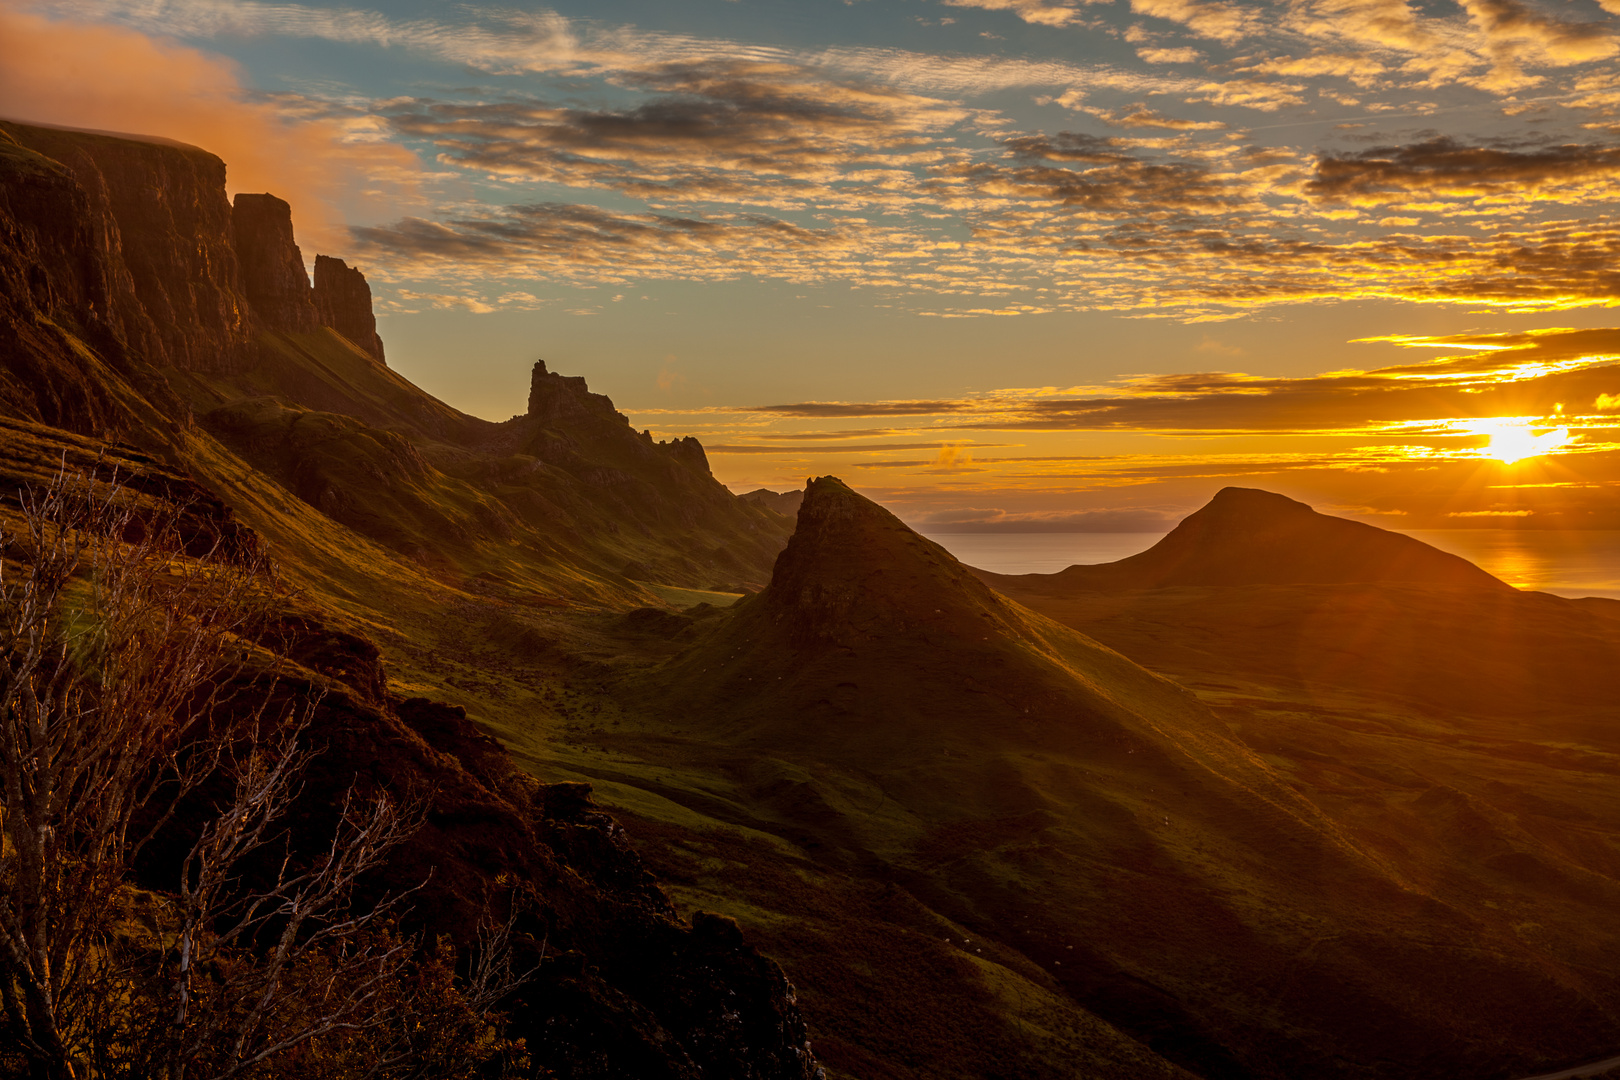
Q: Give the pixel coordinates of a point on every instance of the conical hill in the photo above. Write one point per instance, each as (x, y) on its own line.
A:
(872, 632)
(1245, 536)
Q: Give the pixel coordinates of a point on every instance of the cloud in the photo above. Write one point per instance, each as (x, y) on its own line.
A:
(722, 130)
(1428, 403)
(1516, 33)
(116, 79)
(1140, 116)
(1359, 68)
(952, 456)
(1445, 168)
(1249, 93)
(1039, 12)
(505, 41)
(828, 409)
(588, 244)
(827, 436)
(875, 166)
(1180, 55)
(1207, 18)
(954, 449)
(1217, 348)
(1102, 177)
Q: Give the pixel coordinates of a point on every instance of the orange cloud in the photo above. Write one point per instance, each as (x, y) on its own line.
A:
(112, 78)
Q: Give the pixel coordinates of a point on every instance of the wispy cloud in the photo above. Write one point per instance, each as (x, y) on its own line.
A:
(1542, 374)
(720, 131)
(1039, 12)
(634, 153)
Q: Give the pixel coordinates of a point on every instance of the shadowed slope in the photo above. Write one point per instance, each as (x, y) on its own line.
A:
(1255, 585)
(1062, 802)
(865, 619)
(1244, 536)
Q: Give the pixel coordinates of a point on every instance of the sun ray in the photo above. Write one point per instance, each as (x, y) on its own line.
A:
(1513, 439)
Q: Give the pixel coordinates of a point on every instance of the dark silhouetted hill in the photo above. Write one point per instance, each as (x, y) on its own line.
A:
(1258, 585)
(783, 502)
(1249, 537)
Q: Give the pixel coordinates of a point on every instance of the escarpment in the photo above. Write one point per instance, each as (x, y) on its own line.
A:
(159, 226)
(343, 302)
(132, 245)
(272, 266)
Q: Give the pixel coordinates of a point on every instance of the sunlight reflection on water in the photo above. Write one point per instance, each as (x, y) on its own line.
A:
(1582, 562)
(1575, 563)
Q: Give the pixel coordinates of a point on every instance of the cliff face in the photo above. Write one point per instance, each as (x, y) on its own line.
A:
(53, 271)
(134, 246)
(272, 266)
(343, 302)
(160, 226)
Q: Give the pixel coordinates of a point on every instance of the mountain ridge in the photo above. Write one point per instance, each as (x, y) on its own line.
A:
(1245, 536)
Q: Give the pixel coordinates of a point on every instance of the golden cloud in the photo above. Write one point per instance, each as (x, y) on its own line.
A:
(110, 78)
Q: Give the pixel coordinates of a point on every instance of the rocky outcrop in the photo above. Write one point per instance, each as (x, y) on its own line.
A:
(343, 302)
(621, 986)
(564, 397)
(153, 247)
(658, 488)
(272, 266)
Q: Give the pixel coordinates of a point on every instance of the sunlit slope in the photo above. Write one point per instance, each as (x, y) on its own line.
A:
(1056, 798)
(1244, 536)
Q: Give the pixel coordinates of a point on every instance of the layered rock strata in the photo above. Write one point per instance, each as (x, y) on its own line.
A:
(272, 266)
(343, 302)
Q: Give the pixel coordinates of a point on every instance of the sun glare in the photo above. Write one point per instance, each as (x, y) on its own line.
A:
(1513, 440)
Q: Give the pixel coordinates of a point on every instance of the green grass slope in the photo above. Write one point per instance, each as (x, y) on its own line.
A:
(903, 726)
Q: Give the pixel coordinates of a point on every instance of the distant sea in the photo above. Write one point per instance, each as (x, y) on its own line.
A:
(1577, 563)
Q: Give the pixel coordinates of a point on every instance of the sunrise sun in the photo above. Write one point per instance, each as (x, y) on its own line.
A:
(1512, 438)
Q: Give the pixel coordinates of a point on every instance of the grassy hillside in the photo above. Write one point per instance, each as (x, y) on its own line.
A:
(877, 765)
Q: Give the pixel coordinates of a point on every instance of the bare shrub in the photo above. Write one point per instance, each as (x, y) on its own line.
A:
(131, 687)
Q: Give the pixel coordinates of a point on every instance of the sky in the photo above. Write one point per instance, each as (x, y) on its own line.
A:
(1000, 264)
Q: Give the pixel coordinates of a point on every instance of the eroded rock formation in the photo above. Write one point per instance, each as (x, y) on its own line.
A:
(343, 302)
(150, 259)
(272, 266)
